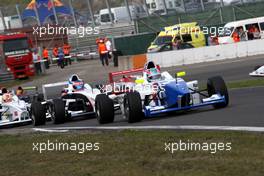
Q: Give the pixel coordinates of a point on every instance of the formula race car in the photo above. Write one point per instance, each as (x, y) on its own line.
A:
(153, 93)
(76, 99)
(258, 71)
(13, 110)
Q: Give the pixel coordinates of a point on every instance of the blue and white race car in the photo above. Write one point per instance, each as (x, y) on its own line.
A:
(155, 92)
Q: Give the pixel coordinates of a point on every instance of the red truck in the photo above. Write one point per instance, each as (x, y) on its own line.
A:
(16, 55)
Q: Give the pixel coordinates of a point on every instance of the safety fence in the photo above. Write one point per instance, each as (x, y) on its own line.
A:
(134, 44)
(87, 43)
(211, 17)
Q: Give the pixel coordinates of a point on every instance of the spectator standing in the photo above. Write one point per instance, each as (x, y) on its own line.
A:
(235, 36)
(209, 40)
(61, 57)
(177, 44)
(55, 51)
(66, 50)
(37, 61)
(45, 56)
(212, 40)
(256, 33)
(242, 34)
(108, 45)
(253, 32)
(103, 53)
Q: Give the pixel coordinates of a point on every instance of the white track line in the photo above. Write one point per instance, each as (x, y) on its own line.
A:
(50, 130)
(183, 127)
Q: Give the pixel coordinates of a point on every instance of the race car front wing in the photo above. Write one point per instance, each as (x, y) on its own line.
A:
(151, 111)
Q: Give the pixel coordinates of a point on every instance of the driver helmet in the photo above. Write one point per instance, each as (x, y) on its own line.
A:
(153, 74)
(4, 91)
(76, 83)
(19, 91)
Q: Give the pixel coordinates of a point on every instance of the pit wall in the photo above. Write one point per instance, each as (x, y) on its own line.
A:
(208, 54)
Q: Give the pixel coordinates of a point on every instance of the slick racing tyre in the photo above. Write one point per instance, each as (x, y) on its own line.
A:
(38, 113)
(216, 85)
(38, 97)
(133, 107)
(104, 108)
(58, 115)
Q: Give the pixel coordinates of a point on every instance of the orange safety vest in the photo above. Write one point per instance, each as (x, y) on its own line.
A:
(55, 52)
(45, 53)
(102, 48)
(66, 49)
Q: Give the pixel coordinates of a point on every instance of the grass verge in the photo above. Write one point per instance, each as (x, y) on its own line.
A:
(133, 153)
(246, 83)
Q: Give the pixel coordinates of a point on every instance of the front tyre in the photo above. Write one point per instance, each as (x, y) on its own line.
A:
(59, 114)
(38, 115)
(133, 107)
(38, 97)
(104, 108)
(216, 85)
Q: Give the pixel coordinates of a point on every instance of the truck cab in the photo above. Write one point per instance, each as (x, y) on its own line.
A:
(15, 53)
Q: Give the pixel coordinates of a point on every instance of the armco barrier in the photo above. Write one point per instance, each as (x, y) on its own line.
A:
(208, 54)
(242, 49)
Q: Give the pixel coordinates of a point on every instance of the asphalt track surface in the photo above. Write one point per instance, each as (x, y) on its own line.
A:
(245, 109)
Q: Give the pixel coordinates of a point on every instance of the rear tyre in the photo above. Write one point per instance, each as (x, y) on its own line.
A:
(216, 85)
(104, 108)
(59, 115)
(38, 113)
(133, 107)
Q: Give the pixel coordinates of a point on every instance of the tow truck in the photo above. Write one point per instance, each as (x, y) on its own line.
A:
(16, 55)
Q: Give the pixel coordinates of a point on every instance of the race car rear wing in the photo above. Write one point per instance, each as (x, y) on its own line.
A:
(53, 85)
(125, 72)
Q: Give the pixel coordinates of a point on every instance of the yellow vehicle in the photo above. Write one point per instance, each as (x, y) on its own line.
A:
(186, 32)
